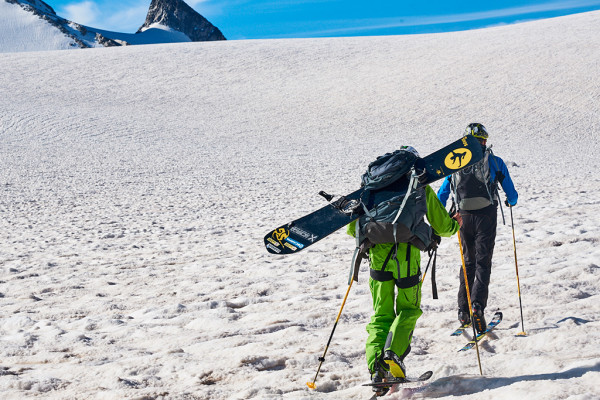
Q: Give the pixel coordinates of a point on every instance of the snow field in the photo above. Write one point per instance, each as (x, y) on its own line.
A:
(137, 184)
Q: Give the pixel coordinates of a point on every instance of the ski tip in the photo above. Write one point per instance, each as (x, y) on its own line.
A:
(311, 385)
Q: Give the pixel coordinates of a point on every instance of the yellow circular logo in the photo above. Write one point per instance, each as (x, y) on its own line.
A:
(281, 234)
(458, 158)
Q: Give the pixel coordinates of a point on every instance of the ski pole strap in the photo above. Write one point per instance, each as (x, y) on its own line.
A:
(433, 283)
(432, 257)
(355, 266)
(357, 257)
(500, 203)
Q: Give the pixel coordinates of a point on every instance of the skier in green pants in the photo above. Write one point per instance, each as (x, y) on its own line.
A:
(396, 310)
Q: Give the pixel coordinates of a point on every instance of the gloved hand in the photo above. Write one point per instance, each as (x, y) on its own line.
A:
(508, 204)
(364, 247)
(435, 242)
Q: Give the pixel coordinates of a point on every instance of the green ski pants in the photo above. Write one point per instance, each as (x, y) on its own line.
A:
(394, 319)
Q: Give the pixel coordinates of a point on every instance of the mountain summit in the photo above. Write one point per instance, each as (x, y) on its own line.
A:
(32, 25)
(177, 15)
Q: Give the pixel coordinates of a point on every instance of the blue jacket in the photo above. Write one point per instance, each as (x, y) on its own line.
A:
(495, 163)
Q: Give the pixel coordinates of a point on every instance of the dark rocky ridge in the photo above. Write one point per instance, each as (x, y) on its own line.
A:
(176, 14)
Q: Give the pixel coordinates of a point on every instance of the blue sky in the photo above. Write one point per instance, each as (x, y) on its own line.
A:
(256, 19)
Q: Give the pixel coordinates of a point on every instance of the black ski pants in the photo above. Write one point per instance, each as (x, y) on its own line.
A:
(478, 235)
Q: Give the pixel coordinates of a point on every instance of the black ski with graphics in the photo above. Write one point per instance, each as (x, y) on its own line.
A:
(308, 230)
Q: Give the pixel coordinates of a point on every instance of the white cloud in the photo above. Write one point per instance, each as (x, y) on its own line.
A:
(354, 26)
(128, 19)
(194, 3)
(85, 13)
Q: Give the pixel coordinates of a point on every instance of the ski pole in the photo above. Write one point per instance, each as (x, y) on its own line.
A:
(500, 203)
(522, 333)
(312, 384)
(464, 268)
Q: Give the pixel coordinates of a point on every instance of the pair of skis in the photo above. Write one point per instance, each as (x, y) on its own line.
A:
(496, 319)
(394, 384)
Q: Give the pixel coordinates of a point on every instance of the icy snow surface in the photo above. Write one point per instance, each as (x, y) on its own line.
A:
(137, 184)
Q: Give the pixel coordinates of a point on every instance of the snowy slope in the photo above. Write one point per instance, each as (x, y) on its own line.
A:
(34, 26)
(23, 31)
(137, 184)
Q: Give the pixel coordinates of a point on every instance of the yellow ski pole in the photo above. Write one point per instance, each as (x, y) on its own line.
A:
(312, 384)
(522, 333)
(464, 267)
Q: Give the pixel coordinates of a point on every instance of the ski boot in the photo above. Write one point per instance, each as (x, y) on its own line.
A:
(397, 368)
(478, 318)
(464, 317)
(381, 374)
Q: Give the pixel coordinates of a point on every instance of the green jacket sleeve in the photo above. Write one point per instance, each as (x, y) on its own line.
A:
(438, 217)
(351, 229)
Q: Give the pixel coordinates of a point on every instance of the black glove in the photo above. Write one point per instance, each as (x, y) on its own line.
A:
(435, 242)
(507, 203)
(364, 247)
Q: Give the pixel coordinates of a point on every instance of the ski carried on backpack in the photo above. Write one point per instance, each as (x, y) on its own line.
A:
(408, 174)
(496, 319)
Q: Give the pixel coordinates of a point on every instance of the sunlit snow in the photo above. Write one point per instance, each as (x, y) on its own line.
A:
(138, 182)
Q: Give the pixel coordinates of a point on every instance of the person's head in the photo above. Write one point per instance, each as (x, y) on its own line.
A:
(478, 130)
(410, 149)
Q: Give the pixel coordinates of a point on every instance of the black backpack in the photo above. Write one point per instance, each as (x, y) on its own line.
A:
(397, 220)
(401, 218)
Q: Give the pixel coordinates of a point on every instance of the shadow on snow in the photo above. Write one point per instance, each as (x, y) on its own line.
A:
(465, 385)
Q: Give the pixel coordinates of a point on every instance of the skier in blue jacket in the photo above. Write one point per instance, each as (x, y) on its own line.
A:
(475, 194)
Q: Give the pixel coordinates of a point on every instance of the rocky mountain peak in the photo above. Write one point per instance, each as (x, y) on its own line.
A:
(177, 15)
(39, 5)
